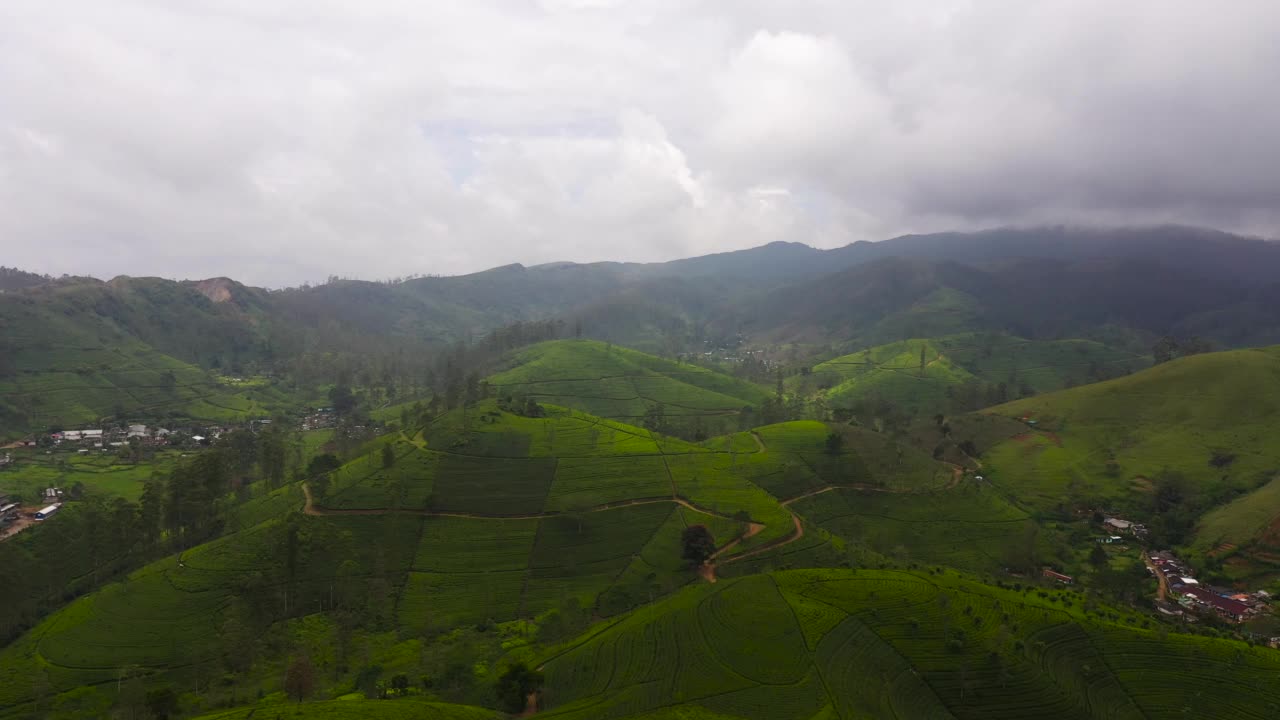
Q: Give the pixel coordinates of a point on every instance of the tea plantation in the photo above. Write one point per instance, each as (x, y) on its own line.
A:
(871, 643)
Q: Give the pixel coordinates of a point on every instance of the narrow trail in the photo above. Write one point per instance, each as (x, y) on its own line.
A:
(753, 529)
(795, 535)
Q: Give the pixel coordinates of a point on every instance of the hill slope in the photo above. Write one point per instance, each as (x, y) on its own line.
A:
(1165, 444)
(622, 384)
(892, 644)
(956, 373)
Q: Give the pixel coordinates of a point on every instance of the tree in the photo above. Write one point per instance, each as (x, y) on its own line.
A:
(1097, 556)
(300, 678)
(516, 685)
(698, 544)
(835, 443)
(400, 684)
(388, 456)
(655, 418)
(1164, 350)
(322, 464)
(342, 400)
(162, 702)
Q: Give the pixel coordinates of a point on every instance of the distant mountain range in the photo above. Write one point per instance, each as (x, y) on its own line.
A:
(1040, 283)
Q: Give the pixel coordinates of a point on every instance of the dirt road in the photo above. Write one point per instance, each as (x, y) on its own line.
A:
(1163, 592)
(21, 523)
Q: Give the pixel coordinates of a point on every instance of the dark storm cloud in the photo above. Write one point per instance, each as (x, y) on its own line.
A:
(284, 141)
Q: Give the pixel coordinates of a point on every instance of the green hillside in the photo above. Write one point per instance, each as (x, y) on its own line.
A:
(482, 517)
(885, 644)
(1166, 445)
(956, 372)
(358, 710)
(72, 355)
(893, 373)
(622, 384)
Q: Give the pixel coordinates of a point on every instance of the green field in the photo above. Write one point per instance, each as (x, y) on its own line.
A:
(485, 530)
(622, 384)
(894, 373)
(840, 644)
(101, 473)
(970, 526)
(358, 710)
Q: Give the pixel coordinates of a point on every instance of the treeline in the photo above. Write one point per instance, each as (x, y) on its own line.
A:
(97, 540)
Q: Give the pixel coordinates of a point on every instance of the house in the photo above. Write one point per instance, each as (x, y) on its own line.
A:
(1064, 579)
(1110, 539)
(1117, 525)
(1229, 609)
(137, 431)
(44, 513)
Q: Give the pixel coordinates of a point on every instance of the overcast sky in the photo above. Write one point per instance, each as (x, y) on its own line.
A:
(277, 141)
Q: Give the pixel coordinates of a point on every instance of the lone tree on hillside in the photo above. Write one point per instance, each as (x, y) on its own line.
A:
(388, 456)
(300, 678)
(516, 685)
(835, 443)
(698, 543)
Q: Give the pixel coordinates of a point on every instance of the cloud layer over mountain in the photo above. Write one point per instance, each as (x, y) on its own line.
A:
(285, 141)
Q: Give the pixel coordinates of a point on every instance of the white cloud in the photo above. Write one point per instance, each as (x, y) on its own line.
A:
(288, 140)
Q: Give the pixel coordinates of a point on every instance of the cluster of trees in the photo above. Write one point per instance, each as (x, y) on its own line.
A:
(1169, 347)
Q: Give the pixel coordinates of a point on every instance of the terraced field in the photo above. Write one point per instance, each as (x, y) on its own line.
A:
(970, 526)
(895, 373)
(78, 385)
(840, 644)
(622, 384)
(402, 709)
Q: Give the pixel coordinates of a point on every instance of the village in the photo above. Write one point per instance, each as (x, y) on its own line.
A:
(1179, 593)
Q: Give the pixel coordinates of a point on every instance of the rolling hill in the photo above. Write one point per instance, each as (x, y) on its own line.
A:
(73, 353)
(888, 643)
(991, 365)
(1166, 444)
(482, 517)
(622, 384)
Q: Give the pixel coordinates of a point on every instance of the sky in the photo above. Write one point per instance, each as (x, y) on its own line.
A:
(284, 141)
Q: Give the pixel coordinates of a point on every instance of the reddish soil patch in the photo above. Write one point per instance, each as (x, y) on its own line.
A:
(530, 705)
(1223, 549)
(707, 571)
(21, 523)
(1271, 536)
(1021, 437)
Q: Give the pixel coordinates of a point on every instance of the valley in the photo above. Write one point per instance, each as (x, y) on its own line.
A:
(936, 481)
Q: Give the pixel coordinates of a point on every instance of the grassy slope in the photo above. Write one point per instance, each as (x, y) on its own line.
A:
(445, 571)
(833, 644)
(359, 710)
(619, 383)
(73, 357)
(1171, 417)
(892, 372)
